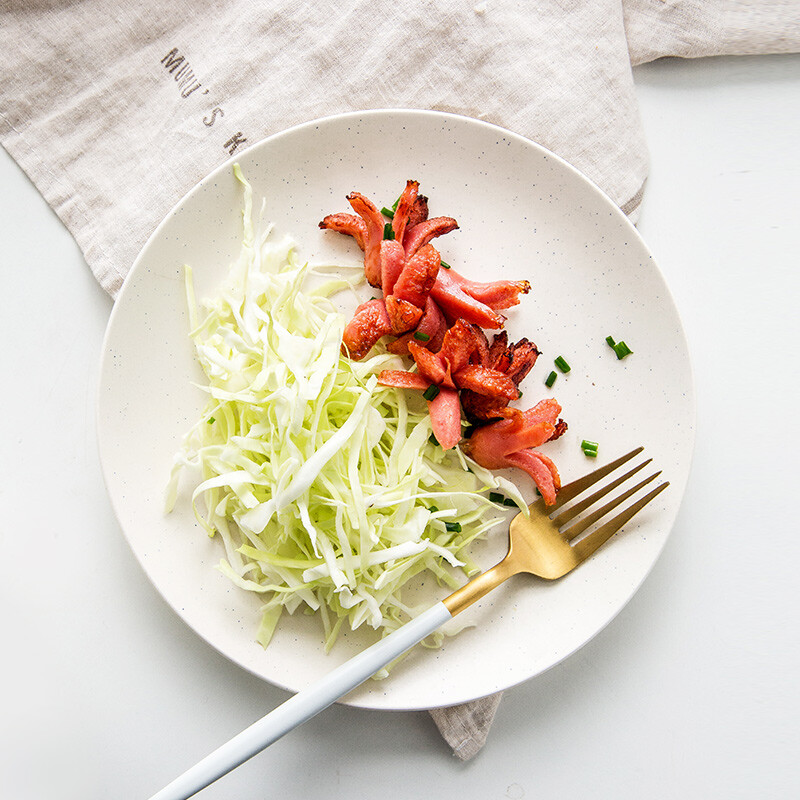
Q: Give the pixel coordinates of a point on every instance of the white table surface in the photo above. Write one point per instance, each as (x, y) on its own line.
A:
(691, 692)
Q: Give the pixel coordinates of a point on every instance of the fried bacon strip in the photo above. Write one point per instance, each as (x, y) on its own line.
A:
(418, 276)
(419, 211)
(498, 295)
(445, 411)
(348, 224)
(430, 331)
(373, 224)
(515, 361)
(369, 323)
(393, 261)
(508, 443)
(420, 234)
(457, 304)
(402, 213)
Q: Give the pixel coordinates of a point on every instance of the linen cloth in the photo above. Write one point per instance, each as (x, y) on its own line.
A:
(115, 109)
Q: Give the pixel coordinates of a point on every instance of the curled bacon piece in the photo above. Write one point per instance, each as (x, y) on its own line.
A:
(419, 211)
(487, 382)
(393, 260)
(498, 295)
(417, 276)
(445, 411)
(402, 379)
(348, 224)
(457, 304)
(474, 301)
(373, 225)
(421, 233)
(508, 443)
(369, 323)
(430, 331)
(402, 213)
(403, 316)
(444, 407)
(514, 361)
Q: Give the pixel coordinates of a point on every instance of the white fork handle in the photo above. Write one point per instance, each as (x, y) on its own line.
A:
(304, 705)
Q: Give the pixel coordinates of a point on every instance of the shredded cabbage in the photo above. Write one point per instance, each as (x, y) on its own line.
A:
(324, 486)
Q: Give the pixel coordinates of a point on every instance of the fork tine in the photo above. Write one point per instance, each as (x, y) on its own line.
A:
(588, 545)
(570, 490)
(573, 531)
(565, 516)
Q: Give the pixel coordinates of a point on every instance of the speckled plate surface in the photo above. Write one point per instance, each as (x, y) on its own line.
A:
(523, 213)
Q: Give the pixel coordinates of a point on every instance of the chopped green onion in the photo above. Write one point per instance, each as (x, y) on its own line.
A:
(445, 265)
(396, 203)
(421, 337)
(433, 440)
(508, 502)
(387, 212)
(562, 364)
(622, 350)
(520, 394)
(211, 420)
(496, 497)
(433, 509)
(388, 231)
(589, 448)
(431, 392)
(453, 527)
(551, 379)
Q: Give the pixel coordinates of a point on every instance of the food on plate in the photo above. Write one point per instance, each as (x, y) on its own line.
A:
(322, 481)
(437, 317)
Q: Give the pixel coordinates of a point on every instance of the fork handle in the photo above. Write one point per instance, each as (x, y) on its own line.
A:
(304, 705)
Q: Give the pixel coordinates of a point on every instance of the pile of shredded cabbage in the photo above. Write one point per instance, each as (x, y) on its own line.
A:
(326, 488)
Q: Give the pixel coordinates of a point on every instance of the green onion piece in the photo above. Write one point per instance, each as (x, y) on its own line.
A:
(433, 509)
(395, 204)
(496, 497)
(520, 394)
(610, 341)
(508, 502)
(388, 231)
(211, 420)
(433, 440)
(453, 527)
(431, 392)
(562, 364)
(622, 350)
(551, 379)
(444, 265)
(421, 337)
(387, 212)
(589, 448)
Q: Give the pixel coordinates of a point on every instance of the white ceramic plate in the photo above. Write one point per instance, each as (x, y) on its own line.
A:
(523, 213)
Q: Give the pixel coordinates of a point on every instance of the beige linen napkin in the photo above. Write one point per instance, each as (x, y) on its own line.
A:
(116, 108)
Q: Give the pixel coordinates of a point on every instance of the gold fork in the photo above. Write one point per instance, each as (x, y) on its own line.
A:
(542, 542)
(546, 542)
